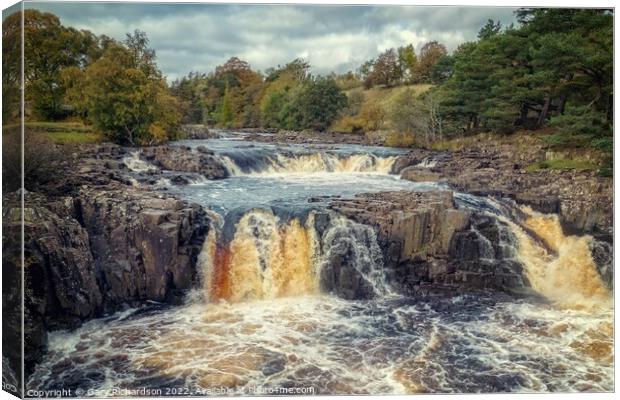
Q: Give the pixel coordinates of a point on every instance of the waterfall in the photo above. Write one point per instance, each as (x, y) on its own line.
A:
(136, 164)
(560, 267)
(427, 162)
(265, 258)
(353, 248)
(564, 271)
(290, 163)
(269, 257)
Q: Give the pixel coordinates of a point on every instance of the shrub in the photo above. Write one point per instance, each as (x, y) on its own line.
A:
(349, 124)
(41, 159)
(372, 116)
(400, 140)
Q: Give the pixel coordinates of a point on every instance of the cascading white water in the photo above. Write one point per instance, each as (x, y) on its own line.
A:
(560, 267)
(136, 164)
(427, 162)
(316, 162)
(268, 257)
(265, 258)
(267, 323)
(359, 243)
(569, 277)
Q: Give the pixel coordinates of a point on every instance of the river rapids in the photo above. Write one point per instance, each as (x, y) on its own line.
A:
(259, 323)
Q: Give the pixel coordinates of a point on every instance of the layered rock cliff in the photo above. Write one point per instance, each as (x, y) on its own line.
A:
(430, 245)
(105, 247)
(583, 200)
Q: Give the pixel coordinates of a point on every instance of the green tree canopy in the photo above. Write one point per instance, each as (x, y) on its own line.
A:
(123, 101)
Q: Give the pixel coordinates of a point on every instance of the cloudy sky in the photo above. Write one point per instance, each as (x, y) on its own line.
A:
(198, 37)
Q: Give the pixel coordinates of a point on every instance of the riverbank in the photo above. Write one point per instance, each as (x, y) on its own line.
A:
(509, 168)
(125, 211)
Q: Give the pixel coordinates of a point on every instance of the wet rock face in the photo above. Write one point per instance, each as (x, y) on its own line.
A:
(583, 200)
(485, 256)
(145, 245)
(12, 293)
(430, 246)
(411, 225)
(603, 255)
(351, 260)
(61, 288)
(184, 159)
(415, 231)
(101, 251)
(342, 279)
(61, 272)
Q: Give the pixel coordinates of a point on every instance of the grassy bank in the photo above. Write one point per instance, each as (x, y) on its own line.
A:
(67, 133)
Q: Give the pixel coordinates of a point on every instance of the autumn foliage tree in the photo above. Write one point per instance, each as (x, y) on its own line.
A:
(430, 54)
(49, 49)
(124, 95)
(386, 70)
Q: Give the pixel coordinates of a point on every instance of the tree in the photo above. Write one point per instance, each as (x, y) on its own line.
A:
(226, 112)
(521, 77)
(49, 48)
(298, 69)
(319, 103)
(122, 101)
(491, 28)
(443, 69)
(385, 70)
(11, 67)
(189, 92)
(404, 115)
(407, 63)
(271, 112)
(365, 71)
(430, 54)
(143, 57)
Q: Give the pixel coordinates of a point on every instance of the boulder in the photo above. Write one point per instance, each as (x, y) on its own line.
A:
(419, 174)
(197, 131)
(184, 159)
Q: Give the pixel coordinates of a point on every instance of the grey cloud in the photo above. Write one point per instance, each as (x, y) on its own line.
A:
(190, 37)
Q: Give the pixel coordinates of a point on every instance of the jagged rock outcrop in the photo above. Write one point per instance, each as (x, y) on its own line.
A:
(603, 256)
(583, 200)
(11, 294)
(145, 245)
(184, 159)
(350, 257)
(197, 131)
(430, 246)
(485, 256)
(103, 250)
(411, 225)
(59, 272)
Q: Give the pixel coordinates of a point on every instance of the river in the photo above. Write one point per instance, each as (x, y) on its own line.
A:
(260, 323)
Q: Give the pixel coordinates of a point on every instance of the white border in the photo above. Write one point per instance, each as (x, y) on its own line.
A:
(485, 3)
